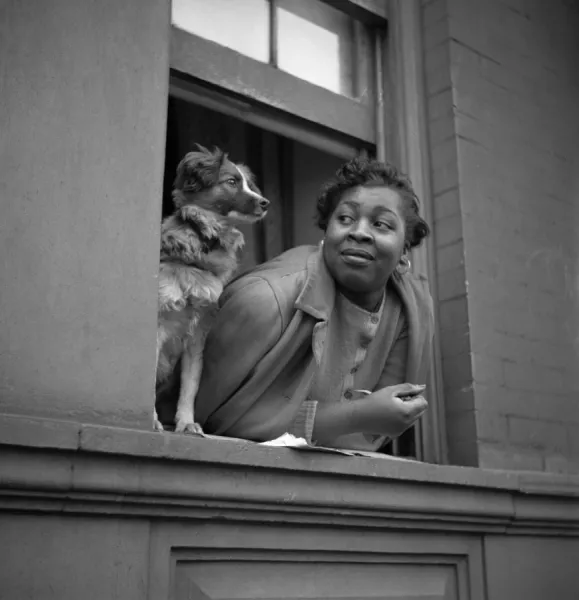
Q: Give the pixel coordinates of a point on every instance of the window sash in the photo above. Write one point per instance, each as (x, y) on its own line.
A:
(218, 66)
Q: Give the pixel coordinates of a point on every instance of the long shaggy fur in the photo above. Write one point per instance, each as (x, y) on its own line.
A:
(200, 251)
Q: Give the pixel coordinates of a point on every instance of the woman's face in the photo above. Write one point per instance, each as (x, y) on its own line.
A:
(365, 239)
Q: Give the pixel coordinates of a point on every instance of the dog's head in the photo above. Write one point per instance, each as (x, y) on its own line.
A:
(211, 181)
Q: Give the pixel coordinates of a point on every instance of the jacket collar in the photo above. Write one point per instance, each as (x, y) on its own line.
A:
(319, 292)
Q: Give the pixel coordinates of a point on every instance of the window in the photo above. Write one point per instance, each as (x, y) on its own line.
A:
(241, 25)
(307, 38)
(292, 88)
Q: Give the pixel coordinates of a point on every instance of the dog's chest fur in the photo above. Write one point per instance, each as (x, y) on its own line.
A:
(199, 253)
(196, 237)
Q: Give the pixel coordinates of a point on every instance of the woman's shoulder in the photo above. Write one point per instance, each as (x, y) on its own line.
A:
(414, 291)
(290, 262)
(279, 280)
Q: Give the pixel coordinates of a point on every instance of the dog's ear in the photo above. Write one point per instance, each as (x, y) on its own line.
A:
(203, 149)
(199, 170)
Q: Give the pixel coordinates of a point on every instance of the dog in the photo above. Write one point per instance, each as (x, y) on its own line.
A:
(200, 250)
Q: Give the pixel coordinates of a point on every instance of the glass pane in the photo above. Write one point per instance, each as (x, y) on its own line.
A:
(241, 25)
(317, 43)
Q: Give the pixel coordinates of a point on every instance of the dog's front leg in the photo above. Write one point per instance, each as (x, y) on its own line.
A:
(157, 425)
(191, 366)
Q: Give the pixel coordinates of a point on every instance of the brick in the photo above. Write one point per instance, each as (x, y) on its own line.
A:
(450, 256)
(488, 369)
(573, 439)
(530, 405)
(473, 129)
(537, 378)
(451, 284)
(434, 13)
(457, 371)
(435, 35)
(491, 397)
(557, 463)
(500, 456)
(441, 105)
(491, 426)
(440, 130)
(455, 341)
(444, 156)
(453, 313)
(437, 61)
(459, 400)
(533, 433)
(463, 452)
(508, 347)
(461, 425)
(503, 133)
(445, 178)
(446, 203)
(448, 231)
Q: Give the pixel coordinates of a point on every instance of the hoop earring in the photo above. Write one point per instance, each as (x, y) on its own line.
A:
(405, 265)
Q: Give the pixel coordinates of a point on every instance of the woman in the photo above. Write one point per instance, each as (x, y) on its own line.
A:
(296, 337)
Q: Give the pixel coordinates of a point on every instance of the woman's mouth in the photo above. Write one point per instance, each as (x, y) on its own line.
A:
(356, 257)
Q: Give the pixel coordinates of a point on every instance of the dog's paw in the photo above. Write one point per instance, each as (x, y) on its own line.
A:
(156, 423)
(188, 427)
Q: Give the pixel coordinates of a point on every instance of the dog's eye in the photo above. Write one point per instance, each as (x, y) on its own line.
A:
(232, 182)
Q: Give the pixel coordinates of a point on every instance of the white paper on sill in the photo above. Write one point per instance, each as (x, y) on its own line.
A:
(287, 440)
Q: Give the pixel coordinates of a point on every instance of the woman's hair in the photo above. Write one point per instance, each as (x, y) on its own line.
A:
(368, 172)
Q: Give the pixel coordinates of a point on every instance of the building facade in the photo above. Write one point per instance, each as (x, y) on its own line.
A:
(477, 102)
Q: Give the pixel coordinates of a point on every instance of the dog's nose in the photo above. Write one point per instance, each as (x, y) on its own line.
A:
(264, 203)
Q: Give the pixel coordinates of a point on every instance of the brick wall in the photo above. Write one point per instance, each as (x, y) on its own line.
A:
(503, 105)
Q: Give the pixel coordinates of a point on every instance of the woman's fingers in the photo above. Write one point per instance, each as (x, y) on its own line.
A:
(415, 407)
(406, 389)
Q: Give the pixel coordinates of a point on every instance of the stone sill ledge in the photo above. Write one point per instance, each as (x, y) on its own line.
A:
(66, 435)
(44, 464)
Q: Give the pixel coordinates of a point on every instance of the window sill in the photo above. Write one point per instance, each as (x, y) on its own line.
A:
(146, 473)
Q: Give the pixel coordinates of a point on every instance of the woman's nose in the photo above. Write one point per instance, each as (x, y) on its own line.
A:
(360, 233)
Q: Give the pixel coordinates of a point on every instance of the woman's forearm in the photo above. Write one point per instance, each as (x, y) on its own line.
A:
(334, 420)
(388, 411)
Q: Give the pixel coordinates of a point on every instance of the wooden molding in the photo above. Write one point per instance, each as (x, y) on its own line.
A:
(410, 137)
(371, 12)
(259, 82)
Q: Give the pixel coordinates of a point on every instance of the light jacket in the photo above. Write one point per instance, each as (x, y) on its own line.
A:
(274, 321)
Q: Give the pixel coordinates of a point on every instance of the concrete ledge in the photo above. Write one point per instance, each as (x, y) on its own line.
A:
(62, 466)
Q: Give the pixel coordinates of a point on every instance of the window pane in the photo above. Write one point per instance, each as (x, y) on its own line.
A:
(316, 43)
(241, 25)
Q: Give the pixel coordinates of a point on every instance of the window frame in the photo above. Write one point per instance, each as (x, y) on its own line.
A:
(217, 77)
(262, 83)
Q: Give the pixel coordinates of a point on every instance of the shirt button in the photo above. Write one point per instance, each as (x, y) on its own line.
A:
(348, 394)
(374, 319)
(353, 370)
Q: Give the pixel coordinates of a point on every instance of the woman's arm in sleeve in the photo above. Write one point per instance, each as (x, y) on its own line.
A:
(342, 418)
(247, 326)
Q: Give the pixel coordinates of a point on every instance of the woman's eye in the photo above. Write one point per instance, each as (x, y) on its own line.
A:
(232, 182)
(345, 219)
(383, 225)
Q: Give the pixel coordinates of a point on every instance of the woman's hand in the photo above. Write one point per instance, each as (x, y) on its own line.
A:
(389, 411)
